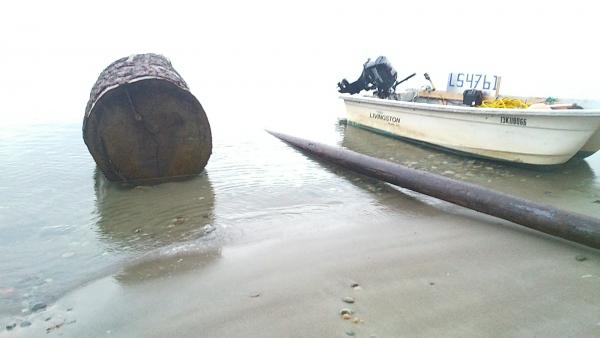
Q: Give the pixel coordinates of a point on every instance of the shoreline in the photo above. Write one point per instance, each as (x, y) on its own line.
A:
(433, 273)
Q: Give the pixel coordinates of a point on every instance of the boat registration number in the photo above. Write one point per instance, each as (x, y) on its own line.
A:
(518, 121)
(459, 82)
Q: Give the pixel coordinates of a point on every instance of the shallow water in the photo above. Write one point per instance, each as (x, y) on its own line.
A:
(63, 224)
(573, 186)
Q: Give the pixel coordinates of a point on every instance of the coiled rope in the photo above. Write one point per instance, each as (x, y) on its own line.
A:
(504, 102)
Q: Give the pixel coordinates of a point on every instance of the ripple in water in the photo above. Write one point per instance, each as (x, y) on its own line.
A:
(63, 224)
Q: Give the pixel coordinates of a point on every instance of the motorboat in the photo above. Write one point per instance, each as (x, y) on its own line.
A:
(534, 130)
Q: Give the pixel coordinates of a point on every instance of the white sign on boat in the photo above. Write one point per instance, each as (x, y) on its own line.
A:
(488, 84)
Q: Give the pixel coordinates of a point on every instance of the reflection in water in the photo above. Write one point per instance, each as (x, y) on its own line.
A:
(52, 242)
(165, 263)
(148, 217)
(383, 195)
(572, 186)
(171, 225)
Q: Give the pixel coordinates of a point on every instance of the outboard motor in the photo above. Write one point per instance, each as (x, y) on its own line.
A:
(378, 75)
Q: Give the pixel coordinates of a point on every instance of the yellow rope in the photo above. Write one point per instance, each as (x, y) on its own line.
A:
(504, 102)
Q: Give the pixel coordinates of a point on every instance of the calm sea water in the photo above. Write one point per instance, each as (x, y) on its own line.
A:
(62, 224)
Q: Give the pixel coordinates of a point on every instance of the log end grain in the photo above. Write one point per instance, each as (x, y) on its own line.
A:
(147, 130)
(142, 123)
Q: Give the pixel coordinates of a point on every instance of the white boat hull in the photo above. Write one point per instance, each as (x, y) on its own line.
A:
(540, 137)
(591, 146)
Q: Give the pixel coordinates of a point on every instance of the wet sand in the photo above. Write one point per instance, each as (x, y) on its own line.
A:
(442, 271)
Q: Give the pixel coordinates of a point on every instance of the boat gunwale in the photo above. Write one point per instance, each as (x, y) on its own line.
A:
(471, 110)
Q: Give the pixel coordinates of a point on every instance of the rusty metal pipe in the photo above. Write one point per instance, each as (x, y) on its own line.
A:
(556, 222)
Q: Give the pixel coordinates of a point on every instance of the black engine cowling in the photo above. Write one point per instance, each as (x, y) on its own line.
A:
(378, 75)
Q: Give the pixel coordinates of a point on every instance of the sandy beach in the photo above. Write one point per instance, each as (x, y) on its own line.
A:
(438, 271)
(265, 241)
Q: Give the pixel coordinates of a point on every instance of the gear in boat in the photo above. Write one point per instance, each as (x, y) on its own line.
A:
(381, 77)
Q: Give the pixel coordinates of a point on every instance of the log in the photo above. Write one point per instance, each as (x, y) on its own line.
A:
(142, 123)
(571, 226)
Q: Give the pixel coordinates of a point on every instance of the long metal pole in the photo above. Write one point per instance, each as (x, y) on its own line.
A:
(568, 225)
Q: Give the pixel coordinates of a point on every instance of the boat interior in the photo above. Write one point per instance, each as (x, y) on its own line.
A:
(379, 78)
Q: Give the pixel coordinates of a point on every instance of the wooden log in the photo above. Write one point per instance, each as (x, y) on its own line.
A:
(142, 123)
(568, 225)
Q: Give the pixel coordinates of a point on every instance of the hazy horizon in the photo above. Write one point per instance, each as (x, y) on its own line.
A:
(292, 52)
